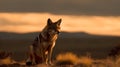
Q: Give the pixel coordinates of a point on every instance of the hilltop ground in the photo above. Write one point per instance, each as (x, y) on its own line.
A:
(81, 44)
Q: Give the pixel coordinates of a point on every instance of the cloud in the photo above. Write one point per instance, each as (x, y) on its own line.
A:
(6, 22)
(64, 7)
(27, 22)
(15, 19)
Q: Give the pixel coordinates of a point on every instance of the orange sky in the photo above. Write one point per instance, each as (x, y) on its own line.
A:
(32, 22)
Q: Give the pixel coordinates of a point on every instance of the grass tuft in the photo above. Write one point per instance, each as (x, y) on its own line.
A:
(67, 59)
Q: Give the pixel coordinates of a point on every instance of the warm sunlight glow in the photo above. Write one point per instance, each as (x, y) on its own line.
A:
(32, 22)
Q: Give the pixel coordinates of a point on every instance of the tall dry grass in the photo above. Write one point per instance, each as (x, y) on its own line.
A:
(67, 59)
(5, 58)
(85, 61)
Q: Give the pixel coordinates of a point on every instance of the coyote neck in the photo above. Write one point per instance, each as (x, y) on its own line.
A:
(47, 37)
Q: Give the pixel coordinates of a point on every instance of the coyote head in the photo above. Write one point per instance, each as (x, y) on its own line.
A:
(53, 28)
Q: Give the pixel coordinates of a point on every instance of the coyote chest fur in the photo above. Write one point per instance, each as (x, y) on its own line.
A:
(42, 47)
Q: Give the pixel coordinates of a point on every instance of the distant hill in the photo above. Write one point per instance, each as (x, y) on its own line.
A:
(79, 42)
(10, 35)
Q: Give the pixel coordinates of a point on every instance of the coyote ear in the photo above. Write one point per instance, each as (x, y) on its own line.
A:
(49, 21)
(59, 22)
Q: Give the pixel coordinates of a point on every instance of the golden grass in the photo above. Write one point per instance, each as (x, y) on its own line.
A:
(67, 58)
(5, 58)
(85, 60)
(117, 63)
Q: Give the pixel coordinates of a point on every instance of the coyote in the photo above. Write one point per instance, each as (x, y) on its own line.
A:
(42, 47)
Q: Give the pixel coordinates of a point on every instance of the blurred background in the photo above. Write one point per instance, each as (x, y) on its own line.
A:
(88, 26)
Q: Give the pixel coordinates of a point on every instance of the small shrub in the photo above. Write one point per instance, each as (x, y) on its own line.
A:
(5, 58)
(115, 51)
(117, 62)
(86, 61)
(4, 54)
(67, 59)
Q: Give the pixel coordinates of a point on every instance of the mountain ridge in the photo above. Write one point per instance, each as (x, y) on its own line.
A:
(31, 35)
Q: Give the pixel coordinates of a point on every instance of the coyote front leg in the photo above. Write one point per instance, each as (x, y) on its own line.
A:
(50, 55)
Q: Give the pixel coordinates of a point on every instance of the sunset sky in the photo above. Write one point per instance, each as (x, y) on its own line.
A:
(90, 16)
